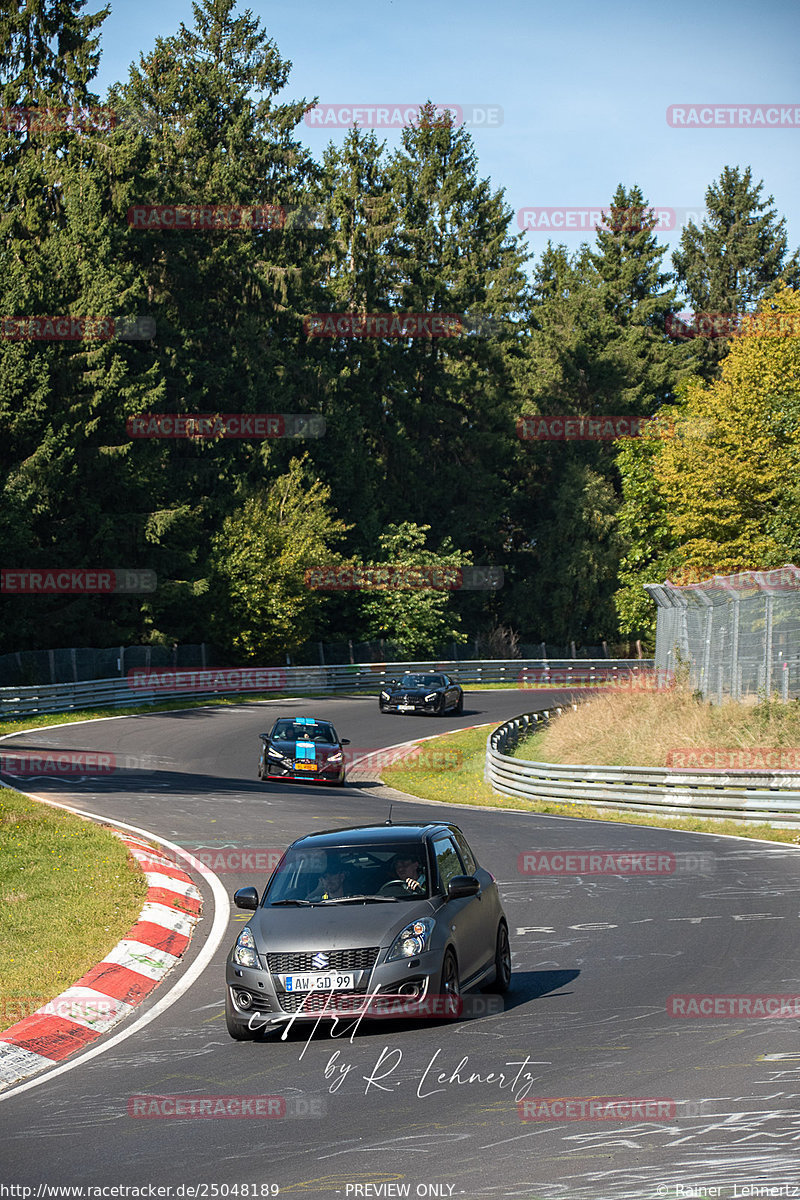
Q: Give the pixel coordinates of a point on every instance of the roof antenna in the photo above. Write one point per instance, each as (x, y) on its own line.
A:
(389, 820)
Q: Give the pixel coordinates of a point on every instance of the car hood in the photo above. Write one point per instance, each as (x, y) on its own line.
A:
(335, 926)
(318, 749)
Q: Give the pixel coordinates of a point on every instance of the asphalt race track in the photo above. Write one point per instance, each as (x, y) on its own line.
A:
(432, 1107)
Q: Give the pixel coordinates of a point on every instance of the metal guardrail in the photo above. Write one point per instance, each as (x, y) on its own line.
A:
(146, 687)
(769, 796)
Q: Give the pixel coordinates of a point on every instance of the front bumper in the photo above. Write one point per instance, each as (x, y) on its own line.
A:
(408, 984)
(412, 706)
(334, 774)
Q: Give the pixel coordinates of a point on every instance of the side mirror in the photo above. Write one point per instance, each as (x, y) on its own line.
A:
(246, 897)
(462, 885)
(344, 742)
(264, 737)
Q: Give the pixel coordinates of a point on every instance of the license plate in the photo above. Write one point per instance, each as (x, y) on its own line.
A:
(405, 708)
(320, 981)
(305, 766)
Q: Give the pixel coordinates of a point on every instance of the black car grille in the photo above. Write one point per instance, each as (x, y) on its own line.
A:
(315, 1002)
(360, 959)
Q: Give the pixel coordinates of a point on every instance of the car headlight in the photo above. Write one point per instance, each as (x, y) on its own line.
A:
(412, 940)
(335, 758)
(273, 753)
(433, 696)
(385, 696)
(244, 954)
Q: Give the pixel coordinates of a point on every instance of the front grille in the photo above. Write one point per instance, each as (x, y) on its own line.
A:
(315, 1002)
(360, 959)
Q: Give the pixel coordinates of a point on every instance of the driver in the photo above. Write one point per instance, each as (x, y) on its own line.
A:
(406, 865)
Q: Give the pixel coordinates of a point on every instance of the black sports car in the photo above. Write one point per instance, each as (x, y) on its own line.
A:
(302, 748)
(375, 919)
(436, 694)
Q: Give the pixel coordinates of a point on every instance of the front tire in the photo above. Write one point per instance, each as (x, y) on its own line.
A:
(450, 984)
(502, 961)
(459, 708)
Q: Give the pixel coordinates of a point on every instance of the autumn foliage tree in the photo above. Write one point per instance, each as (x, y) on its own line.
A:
(714, 488)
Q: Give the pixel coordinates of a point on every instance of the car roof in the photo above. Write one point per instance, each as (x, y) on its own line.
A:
(357, 835)
(304, 720)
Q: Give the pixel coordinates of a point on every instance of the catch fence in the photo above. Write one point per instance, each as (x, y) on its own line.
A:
(738, 635)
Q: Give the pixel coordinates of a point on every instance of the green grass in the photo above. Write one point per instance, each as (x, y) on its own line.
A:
(68, 893)
(464, 784)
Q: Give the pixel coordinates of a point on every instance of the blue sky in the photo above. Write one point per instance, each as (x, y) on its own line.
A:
(583, 87)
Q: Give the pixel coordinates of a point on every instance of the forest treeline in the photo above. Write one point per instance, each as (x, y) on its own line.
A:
(421, 462)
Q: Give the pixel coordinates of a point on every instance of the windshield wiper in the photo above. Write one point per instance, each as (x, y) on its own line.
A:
(275, 903)
(360, 899)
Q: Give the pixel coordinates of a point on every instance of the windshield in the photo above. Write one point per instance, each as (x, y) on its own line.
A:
(426, 681)
(311, 875)
(293, 731)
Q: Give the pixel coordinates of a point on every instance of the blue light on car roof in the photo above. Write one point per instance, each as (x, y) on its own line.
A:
(304, 721)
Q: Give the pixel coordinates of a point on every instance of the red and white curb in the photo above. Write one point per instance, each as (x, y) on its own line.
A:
(115, 986)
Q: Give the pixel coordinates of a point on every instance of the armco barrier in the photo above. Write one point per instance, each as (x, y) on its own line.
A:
(768, 796)
(366, 677)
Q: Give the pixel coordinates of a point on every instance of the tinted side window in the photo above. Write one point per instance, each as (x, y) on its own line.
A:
(466, 853)
(447, 860)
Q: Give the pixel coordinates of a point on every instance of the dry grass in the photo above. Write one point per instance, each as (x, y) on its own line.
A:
(464, 784)
(641, 728)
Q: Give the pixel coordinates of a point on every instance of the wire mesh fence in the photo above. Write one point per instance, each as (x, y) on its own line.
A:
(29, 668)
(738, 635)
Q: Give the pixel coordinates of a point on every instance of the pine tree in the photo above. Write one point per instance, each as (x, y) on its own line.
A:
(737, 257)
